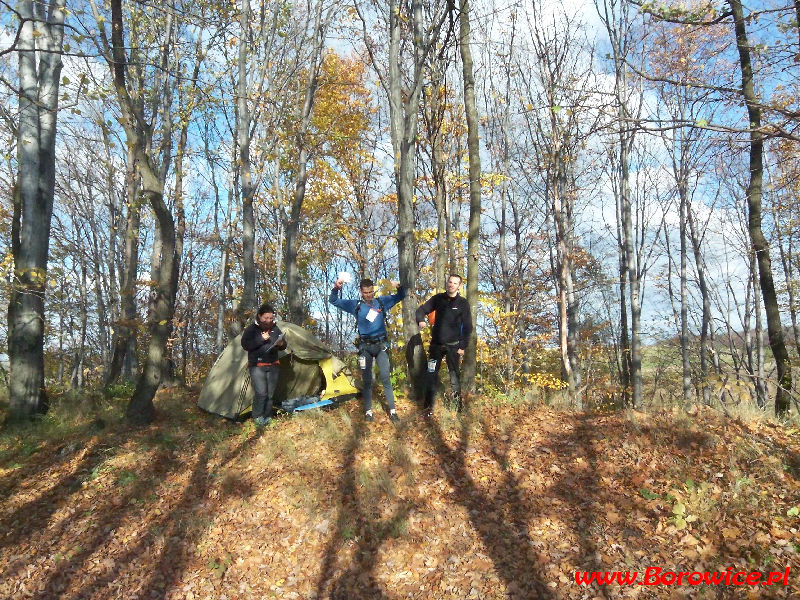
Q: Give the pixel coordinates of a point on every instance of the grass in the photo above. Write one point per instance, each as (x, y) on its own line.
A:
(374, 483)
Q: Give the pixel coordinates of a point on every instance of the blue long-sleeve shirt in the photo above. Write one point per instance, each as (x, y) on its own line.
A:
(376, 328)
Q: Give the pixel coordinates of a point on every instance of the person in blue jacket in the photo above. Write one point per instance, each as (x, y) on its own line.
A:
(372, 343)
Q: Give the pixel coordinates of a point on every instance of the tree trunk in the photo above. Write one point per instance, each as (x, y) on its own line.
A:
(162, 306)
(633, 276)
(114, 227)
(705, 325)
(473, 147)
(787, 256)
(759, 381)
(686, 368)
(754, 193)
(403, 112)
(438, 173)
(248, 301)
(140, 409)
(76, 379)
(40, 38)
(294, 298)
(624, 359)
(125, 331)
(505, 270)
(222, 279)
(102, 312)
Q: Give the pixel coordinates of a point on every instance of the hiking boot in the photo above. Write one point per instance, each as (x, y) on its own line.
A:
(261, 421)
(368, 417)
(393, 417)
(428, 413)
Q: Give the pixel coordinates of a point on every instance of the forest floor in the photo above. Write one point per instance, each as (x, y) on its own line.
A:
(504, 502)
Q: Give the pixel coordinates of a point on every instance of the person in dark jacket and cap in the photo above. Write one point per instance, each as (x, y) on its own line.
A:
(262, 340)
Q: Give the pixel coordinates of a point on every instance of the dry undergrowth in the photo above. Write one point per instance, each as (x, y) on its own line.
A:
(506, 502)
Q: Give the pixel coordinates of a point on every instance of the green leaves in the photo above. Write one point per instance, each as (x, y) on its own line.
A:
(648, 495)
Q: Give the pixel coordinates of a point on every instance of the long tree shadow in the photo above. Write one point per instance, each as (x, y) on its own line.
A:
(522, 506)
(32, 466)
(359, 580)
(115, 509)
(578, 489)
(172, 527)
(614, 519)
(181, 536)
(18, 524)
(179, 528)
(508, 542)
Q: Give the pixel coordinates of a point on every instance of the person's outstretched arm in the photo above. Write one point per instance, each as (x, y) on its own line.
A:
(348, 306)
(389, 301)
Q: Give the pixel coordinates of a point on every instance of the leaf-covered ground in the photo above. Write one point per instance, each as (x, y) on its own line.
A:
(507, 502)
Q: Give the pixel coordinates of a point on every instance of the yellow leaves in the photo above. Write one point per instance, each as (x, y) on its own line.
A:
(730, 534)
(546, 381)
(490, 180)
(426, 235)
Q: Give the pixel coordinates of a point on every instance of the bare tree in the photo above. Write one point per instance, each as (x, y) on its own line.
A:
(407, 55)
(754, 194)
(558, 86)
(618, 21)
(293, 295)
(39, 48)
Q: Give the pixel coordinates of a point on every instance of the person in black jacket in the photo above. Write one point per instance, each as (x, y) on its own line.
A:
(452, 327)
(262, 340)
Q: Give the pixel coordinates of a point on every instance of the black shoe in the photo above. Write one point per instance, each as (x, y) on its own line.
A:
(368, 418)
(394, 418)
(428, 414)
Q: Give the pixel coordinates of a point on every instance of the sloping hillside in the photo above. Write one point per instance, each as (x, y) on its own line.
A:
(508, 502)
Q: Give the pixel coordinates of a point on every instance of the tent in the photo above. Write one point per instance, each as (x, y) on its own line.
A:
(310, 376)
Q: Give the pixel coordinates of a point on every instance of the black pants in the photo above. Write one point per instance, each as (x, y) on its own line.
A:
(450, 354)
(264, 381)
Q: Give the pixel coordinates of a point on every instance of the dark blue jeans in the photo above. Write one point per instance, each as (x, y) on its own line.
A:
(450, 354)
(367, 353)
(264, 381)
